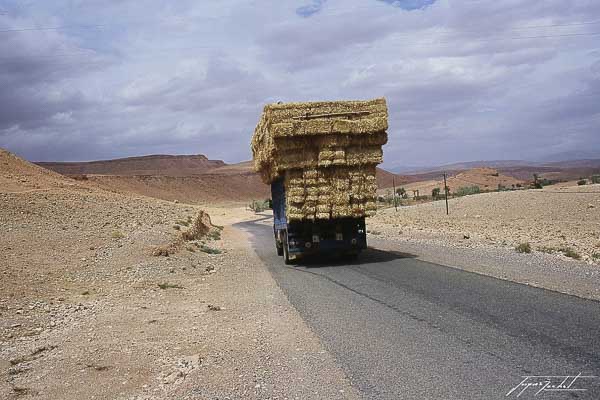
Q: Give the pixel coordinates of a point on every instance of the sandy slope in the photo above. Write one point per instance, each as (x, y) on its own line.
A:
(82, 314)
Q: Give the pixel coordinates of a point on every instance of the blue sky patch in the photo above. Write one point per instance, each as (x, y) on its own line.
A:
(310, 9)
(409, 5)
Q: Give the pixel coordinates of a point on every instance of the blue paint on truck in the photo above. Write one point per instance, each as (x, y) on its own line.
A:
(335, 236)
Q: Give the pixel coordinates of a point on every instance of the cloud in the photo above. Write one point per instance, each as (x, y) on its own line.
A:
(464, 80)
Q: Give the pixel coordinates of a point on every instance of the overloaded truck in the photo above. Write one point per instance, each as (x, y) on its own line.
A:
(320, 159)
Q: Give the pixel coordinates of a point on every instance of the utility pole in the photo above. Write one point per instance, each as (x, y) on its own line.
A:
(394, 184)
(446, 194)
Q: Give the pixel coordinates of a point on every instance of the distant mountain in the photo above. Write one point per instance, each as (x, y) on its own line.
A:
(164, 165)
(461, 166)
(571, 155)
(519, 169)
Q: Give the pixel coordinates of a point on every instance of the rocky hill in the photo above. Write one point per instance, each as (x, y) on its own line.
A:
(18, 175)
(166, 165)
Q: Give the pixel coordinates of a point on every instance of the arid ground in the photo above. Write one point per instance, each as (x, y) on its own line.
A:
(104, 297)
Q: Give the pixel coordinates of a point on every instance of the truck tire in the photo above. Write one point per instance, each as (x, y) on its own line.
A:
(286, 250)
(279, 247)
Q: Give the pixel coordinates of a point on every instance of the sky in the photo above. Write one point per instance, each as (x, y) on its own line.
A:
(464, 79)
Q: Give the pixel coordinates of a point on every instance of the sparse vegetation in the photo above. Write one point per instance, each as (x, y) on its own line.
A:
(595, 179)
(259, 206)
(546, 249)
(523, 248)
(117, 235)
(215, 234)
(200, 228)
(582, 182)
(467, 190)
(401, 192)
(177, 227)
(209, 250)
(596, 256)
(163, 251)
(183, 223)
(78, 177)
(536, 183)
(375, 233)
(569, 252)
(435, 193)
(166, 286)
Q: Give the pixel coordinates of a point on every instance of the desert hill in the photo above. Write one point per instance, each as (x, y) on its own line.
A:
(484, 178)
(386, 179)
(193, 189)
(166, 165)
(17, 175)
(518, 169)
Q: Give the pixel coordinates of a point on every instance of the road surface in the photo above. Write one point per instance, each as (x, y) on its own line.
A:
(400, 327)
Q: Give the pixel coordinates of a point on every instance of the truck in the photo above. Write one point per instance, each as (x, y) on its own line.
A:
(345, 237)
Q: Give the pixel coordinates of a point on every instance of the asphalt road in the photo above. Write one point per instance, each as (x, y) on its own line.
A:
(402, 328)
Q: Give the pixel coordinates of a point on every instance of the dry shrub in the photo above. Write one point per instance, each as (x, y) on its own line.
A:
(78, 177)
(165, 251)
(200, 227)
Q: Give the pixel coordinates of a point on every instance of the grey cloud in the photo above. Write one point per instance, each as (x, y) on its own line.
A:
(188, 77)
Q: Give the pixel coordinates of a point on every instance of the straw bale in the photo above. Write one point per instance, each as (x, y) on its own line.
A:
(331, 140)
(327, 153)
(329, 126)
(288, 111)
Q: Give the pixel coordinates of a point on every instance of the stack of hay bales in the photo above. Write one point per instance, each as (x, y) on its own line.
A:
(326, 152)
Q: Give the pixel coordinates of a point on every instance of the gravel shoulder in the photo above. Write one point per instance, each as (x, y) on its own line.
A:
(482, 232)
(87, 310)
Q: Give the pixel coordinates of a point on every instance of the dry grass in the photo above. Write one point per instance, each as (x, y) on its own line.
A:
(523, 248)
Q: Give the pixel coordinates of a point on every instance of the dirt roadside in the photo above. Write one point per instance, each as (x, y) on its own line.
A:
(86, 310)
(560, 226)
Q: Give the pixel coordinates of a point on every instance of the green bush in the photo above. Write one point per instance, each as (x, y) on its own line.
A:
(435, 193)
(467, 190)
(209, 250)
(582, 182)
(401, 192)
(523, 248)
(166, 285)
(259, 206)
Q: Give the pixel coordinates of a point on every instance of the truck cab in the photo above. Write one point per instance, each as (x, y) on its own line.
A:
(294, 239)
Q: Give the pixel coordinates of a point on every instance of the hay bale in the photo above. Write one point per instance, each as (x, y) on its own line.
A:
(327, 153)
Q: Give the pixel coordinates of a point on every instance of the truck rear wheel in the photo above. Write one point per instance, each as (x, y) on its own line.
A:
(286, 250)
